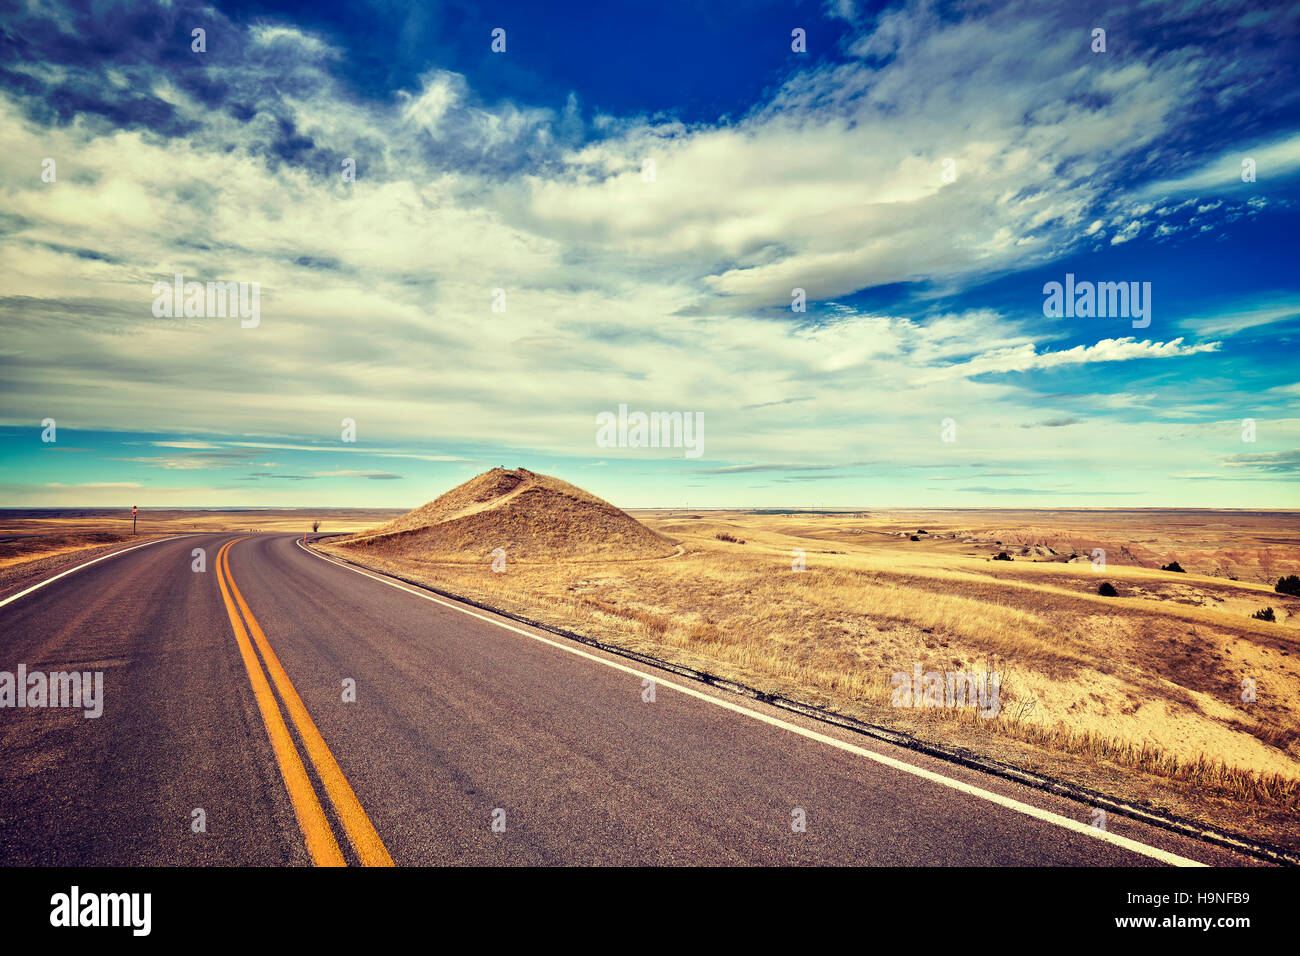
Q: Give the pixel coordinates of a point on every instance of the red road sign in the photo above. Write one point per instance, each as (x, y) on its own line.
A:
(133, 510)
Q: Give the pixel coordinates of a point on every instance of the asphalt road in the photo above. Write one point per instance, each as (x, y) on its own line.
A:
(458, 724)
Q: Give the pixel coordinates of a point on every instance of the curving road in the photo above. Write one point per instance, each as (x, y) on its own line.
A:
(224, 692)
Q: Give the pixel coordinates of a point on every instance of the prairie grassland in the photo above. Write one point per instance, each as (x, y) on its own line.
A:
(32, 521)
(1139, 695)
(33, 534)
(19, 550)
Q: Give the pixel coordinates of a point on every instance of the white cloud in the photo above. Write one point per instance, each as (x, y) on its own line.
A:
(1274, 160)
(1025, 357)
(299, 43)
(840, 9)
(1128, 232)
(672, 293)
(1231, 319)
(95, 484)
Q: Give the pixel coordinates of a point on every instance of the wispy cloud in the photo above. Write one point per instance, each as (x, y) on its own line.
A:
(374, 475)
(1279, 462)
(667, 291)
(1025, 358)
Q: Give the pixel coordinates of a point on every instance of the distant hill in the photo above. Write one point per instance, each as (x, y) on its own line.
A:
(533, 517)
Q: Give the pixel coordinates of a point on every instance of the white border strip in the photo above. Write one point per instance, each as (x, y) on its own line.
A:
(63, 574)
(1155, 853)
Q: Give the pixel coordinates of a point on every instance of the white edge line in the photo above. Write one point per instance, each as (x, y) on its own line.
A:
(62, 574)
(1037, 813)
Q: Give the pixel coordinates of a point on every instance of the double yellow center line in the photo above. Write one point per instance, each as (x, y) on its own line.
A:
(321, 844)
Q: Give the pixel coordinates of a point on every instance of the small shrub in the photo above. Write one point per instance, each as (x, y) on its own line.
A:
(1173, 566)
(723, 536)
(1288, 585)
(922, 531)
(1264, 615)
(915, 538)
(1002, 556)
(1107, 590)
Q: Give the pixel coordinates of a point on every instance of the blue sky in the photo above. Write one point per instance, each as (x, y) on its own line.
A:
(921, 172)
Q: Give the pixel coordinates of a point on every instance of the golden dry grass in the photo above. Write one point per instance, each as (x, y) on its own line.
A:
(20, 550)
(523, 514)
(28, 535)
(1140, 695)
(1144, 690)
(25, 521)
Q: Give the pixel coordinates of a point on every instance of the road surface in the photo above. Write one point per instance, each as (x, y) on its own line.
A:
(471, 740)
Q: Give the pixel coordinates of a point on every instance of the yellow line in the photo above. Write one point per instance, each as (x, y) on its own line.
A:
(322, 846)
(361, 832)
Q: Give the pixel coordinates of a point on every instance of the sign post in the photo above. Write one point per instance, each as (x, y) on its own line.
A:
(134, 509)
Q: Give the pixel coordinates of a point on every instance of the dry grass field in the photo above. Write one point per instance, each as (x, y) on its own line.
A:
(34, 542)
(1139, 695)
(17, 522)
(533, 517)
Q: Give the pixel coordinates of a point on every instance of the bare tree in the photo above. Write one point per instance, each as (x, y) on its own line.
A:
(314, 526)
